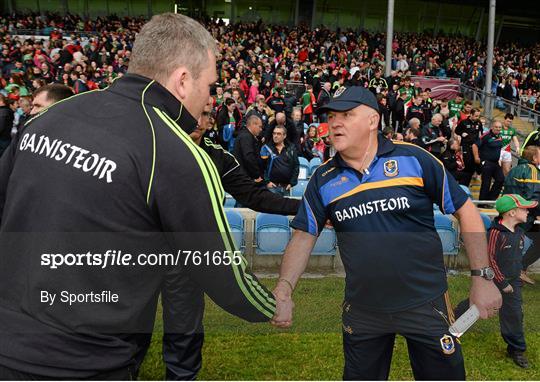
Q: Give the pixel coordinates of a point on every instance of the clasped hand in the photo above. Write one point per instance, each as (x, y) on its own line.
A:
(284, 306)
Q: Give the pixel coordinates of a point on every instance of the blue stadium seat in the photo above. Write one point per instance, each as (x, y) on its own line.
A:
(467, 190)
(448, 234)
(313, 164)
(230, 202)
(486, 219)
(272, 233)
(298, 190)
(236, 223)
(304, 173)
(326, 244)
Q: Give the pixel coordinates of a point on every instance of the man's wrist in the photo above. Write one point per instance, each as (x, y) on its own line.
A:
(284, 288)
(486, 273)
(476, 280)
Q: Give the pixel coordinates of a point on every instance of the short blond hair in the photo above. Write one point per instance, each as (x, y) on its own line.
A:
(529, 152)
(168, 41)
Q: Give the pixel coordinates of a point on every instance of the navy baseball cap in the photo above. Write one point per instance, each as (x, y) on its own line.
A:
(348, 98)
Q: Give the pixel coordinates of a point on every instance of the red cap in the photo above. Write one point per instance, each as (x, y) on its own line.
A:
(323, 130)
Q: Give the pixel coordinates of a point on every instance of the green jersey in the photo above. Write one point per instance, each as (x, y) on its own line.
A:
(455, 108)
(507, 135)
(409, 91)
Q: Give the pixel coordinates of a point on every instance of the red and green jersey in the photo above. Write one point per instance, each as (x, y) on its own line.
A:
(308, 99)
(507, 135)
(455, 108)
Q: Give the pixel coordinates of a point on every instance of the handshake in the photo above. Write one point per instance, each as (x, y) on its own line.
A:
(284, 304)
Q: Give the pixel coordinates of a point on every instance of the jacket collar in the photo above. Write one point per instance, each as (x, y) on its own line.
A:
(154, 94)
(499, 226)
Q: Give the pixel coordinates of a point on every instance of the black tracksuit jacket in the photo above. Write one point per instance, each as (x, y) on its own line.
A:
(248, 193)
(108, 170)
(505, 250)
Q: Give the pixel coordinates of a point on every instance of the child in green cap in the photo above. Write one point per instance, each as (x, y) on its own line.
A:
(505, 247)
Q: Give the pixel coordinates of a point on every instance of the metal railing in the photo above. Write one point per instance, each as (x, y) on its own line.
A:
(489, 101)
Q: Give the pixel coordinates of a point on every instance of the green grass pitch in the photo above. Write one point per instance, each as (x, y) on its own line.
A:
(311, 350)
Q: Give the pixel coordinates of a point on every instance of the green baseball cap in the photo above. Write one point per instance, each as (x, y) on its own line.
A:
(510, 201)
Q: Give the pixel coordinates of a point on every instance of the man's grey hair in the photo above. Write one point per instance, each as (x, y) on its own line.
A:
(437, 115)
(167, 42)
(282, 128)
(252, 119)
(414, 122)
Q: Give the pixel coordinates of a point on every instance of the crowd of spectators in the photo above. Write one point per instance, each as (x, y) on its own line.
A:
(280, 75)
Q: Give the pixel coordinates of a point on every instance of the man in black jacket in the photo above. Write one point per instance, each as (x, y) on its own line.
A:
(280, 162)
(433, 137)
(490, 146)
(236, 182)
(246, 148)
(119, 166)
(469, 131)
(276, 101)
(6, 123)
(43, 97)
(412, 135)
(49, 94)
(260, 109)
(416, 110)
(511, 94)
(182, 299)
(398, 113)
(281, 119)
(323, 99)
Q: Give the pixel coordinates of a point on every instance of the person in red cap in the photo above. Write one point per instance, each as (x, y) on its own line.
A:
(325, 145)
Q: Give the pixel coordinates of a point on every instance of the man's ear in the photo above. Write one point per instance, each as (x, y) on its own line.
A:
(178, 82)
(374, 122)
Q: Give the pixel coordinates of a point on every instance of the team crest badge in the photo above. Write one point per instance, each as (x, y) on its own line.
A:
(339, 91)
(390, 168)
(447, 344)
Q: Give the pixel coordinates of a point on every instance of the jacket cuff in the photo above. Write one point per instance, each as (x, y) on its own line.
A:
(502, 284)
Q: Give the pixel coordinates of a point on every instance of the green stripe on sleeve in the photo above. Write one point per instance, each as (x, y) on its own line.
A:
(153, 144)
(252, 290)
